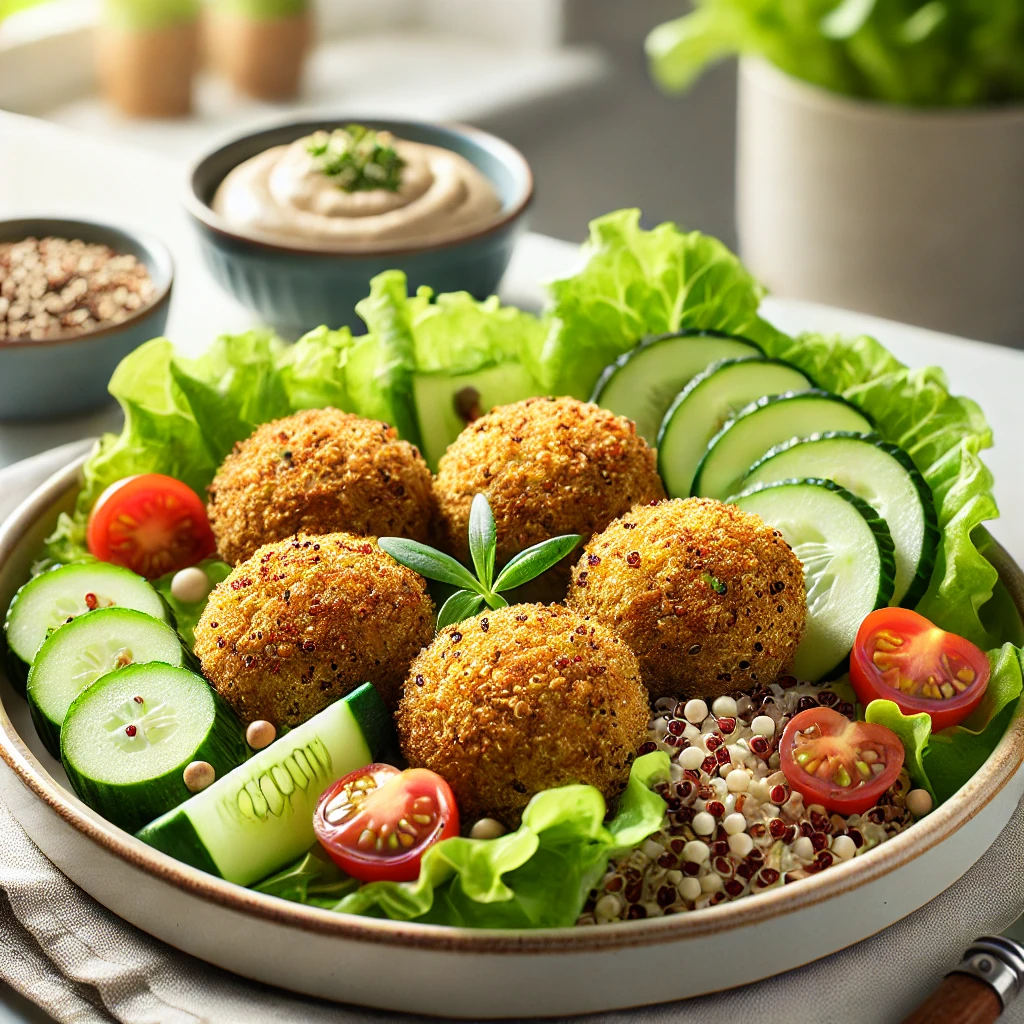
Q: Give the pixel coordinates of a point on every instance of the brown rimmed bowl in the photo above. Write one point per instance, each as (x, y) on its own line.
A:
(296, 289)
(67, 376)
(479, 974)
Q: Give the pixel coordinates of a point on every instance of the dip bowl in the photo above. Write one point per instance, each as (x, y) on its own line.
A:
(481, 974)
(297, 288)
(68, 375)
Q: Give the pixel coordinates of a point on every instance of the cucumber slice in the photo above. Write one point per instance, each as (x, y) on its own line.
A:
(127, 739)
(52, 598)
(764, 424)
(446, 404)
(641, 384)
(885, 476)
(849, 565)
(706, 404)
(258, 818)
(84, 650)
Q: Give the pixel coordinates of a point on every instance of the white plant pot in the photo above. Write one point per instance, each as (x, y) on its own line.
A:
(911, 214)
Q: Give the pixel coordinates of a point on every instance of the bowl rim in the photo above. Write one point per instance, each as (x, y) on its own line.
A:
(205, 215)
(155, 251)
(839, 879)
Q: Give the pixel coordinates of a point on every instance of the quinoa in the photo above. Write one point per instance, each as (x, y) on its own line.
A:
(704, 854)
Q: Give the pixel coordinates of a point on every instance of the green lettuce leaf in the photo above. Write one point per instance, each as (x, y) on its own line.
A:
(536, 877)
(636, 283)
(233, 388)
(314, 370)
(914, 732)
(935, 53)
(314, 879)
(954, 755)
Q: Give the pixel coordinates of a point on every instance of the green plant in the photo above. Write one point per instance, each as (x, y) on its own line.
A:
(358, 159)
(476, 591)
(919, 52)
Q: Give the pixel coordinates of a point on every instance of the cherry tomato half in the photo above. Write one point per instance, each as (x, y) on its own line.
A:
(151, 524)
(900, 656)
(377, 822)
(845, 766)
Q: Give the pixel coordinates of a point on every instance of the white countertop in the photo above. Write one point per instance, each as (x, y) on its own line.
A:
(49, 170)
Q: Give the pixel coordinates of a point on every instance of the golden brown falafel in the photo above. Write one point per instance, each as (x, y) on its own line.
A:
(317, 472)
(548, 466)
(305, 621)
(710, 598)
(519, 700)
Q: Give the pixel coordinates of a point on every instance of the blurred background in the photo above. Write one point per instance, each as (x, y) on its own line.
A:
(870, 156)
(564, 80)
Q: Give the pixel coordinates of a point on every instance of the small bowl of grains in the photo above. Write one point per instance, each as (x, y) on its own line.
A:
(75, 299)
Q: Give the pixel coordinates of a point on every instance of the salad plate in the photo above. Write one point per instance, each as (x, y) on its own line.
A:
(543, 970)
(501, 974)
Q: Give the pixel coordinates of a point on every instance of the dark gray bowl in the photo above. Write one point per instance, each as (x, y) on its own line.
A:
(295, 289)
(69, 376)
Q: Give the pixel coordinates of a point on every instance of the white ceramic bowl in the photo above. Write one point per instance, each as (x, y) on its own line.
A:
(507, 974)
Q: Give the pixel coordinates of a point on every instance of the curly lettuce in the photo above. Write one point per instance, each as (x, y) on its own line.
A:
(536, 877)
(636, 283)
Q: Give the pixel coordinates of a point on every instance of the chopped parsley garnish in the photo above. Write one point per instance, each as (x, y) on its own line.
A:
(358, 158)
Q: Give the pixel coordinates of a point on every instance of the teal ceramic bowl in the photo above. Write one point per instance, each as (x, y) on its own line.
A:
(68, 376)
(296, 289)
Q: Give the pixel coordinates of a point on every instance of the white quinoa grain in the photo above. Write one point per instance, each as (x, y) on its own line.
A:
(724, 707)
(703, 823)
(695, 711)
(919, 802)
(737, 780)
(844, 847)
(696, 851)
(740, 844)
(763, 725)
(803, 848)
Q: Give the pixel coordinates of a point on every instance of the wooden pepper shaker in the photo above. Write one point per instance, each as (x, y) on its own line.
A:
(260, 46)
(146, 56)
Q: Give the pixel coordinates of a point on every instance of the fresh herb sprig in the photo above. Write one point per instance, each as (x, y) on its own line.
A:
(481, 589)
(359, 158)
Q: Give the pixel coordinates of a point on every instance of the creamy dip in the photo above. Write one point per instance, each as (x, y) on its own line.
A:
(284, 194)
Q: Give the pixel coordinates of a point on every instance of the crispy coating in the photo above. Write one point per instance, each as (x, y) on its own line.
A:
(519, 700)
(317, 472)
(548, 466)
(304, 621)
(710, 598)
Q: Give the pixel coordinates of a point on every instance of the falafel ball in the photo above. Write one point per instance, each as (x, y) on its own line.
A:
(548, 466)
(319, 471)
(711, 599)
(304, 621)
(519, 700)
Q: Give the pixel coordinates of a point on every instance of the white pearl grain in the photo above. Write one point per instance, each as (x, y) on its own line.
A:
(695, 711)
(703, 823)
(724, 707)
(191, 585)
(487, 828)
(843, 847)
(734, 823)
(919, 802)
(764, 726)
(696, 851)
(737, 780)
(740, 844)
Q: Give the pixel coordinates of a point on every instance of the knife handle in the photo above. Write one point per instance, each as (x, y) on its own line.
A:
(960, 999)
(977, 991)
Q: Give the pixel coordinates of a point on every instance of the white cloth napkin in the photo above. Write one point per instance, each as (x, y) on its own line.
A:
(83, 964)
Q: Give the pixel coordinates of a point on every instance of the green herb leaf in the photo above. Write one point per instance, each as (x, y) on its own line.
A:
(359, 158)
(529, 564)
(463, 604)
(429, 562)
(482, 539)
